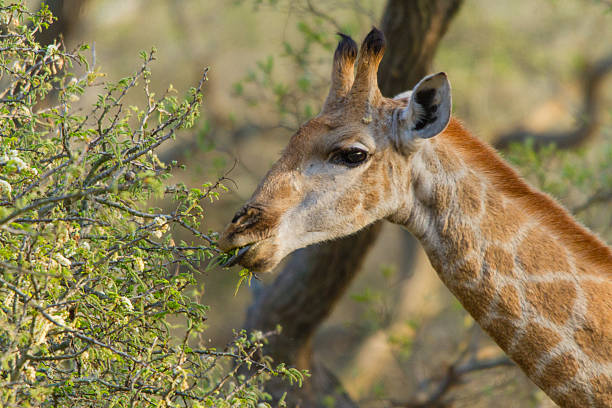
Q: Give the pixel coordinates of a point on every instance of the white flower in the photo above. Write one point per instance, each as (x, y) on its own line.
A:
(43, 326)
(20, 164)
(127, 303)
(30, 373)
(85, 245)
(52, 48)
(13, 158)
(5, 188)
(162, 225)
(62, 260)
(41, 330)
(59, 318)
(139, 264)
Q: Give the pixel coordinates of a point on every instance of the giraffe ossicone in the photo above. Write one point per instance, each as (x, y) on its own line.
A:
(535, 279)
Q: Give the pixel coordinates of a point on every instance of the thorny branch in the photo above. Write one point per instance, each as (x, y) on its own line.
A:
(598, 197)
(455, 374)
(588, 121)
(88, 273)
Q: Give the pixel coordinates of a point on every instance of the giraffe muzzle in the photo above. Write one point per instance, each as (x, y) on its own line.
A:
(237, 256)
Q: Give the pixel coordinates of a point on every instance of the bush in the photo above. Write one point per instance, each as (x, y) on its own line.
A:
(90, 278)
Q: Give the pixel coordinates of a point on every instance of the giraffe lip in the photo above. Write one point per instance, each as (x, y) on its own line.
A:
(237, 257)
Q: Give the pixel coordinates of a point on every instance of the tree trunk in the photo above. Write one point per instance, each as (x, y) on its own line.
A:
(588, 121)
(413, 30)
(67, 14)
(315, 278)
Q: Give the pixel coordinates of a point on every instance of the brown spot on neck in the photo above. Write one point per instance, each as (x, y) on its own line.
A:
(541, 253)
(502, 331)
(559, 371)
(535, 341)
(500, 260)
(595, 335)
(501, 221)
(476, 299)
(457, 239)
(553, 300)
(469, 195)
(508, 302)
(602, 390)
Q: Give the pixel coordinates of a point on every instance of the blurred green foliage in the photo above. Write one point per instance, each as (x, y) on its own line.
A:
(298, 96)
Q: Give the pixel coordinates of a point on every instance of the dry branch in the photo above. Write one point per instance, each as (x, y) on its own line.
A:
(589, 121)
(455, 375)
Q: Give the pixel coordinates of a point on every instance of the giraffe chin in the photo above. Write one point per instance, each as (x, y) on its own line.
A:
(258, 257)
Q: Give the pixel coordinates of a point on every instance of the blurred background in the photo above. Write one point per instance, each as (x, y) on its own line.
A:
(520, 70)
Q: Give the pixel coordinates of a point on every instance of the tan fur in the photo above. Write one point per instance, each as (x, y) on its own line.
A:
(509, 302)
(468, 193)
(594, 335)
(482, 157)
(491, 229)
(500, 260)
(535, 340)
(536, 280)
(602, 387)
(469, 270)
(559, 370)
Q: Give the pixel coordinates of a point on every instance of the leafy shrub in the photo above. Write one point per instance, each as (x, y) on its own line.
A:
(90, 277)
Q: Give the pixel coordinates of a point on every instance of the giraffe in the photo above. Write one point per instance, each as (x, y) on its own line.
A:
(538, 282)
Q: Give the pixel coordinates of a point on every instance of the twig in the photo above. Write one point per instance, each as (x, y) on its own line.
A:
(589, 122)
(598, 197)
(29, 300)
(454, 376)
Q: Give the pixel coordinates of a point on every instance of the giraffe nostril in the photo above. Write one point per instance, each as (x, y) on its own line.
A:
(246, 216)
(239, 214)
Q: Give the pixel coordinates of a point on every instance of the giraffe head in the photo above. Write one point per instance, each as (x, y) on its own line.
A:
(343, 169)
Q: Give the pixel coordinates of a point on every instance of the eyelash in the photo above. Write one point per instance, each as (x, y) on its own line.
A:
(343, 157)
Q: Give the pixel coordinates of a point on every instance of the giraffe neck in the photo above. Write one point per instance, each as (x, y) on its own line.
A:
(519, 271)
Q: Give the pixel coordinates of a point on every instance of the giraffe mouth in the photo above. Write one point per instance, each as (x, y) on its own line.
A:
(234, 259)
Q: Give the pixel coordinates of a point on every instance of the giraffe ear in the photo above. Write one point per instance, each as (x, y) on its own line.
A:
(428, 110)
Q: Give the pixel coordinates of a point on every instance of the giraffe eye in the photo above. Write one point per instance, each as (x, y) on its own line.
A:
(350, 157)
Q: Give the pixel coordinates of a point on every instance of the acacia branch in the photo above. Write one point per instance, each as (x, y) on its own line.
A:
(29, 300)
(454, 376)
(598, 197)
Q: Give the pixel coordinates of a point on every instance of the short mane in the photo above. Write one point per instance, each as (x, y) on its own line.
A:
(583, 243)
